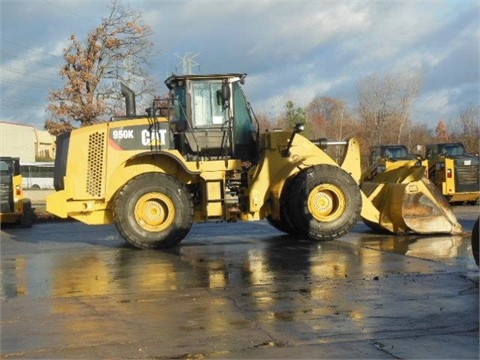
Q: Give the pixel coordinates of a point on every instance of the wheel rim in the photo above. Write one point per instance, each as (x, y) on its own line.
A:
(326, 202)
(154, 211)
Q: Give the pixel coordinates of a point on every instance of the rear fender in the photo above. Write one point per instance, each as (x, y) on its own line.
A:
(145, 163)
(99, 211)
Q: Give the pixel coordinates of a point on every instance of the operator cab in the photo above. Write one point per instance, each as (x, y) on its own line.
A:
(9, 167)
(445, 149)
(390, 152)
(211, 117)
(381, 153)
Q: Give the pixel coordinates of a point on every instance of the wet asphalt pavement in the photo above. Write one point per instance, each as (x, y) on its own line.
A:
(238, 290)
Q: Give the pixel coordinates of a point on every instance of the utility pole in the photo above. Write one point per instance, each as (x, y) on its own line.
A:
(187, 63)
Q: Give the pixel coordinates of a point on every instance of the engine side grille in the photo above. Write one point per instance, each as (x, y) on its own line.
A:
(96, 148)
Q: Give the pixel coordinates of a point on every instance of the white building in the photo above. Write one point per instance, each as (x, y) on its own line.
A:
(26, 142)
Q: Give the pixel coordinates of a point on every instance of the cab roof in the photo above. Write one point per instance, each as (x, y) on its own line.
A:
(173, 80)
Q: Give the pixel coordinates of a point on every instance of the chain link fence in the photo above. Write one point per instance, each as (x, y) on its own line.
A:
(38, 197)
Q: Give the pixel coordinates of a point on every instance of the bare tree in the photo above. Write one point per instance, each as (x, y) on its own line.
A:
(441, 132)
(417, 137)
(264, 122)
(330, 118)
(118, 50)
(385, 103)
(409, 86)
(316, 115)
(468, 128)
(374, 108)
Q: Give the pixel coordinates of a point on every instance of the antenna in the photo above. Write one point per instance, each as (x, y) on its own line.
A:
(187, 62)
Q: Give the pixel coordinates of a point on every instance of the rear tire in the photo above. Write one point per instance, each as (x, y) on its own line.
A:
(153, 210)
(324, 202)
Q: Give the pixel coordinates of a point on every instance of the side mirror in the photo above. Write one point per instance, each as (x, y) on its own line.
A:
(225, 95)
(299, 127)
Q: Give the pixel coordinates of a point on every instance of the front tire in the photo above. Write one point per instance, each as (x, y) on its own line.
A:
(153, 210)
(324, 202)
(283, 224)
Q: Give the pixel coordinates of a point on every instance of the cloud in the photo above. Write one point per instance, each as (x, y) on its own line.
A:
(291, 30)
(291, 50)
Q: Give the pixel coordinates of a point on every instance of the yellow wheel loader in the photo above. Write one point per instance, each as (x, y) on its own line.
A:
(201, 158)
(454, 171)
(383, 157)
(14, 207)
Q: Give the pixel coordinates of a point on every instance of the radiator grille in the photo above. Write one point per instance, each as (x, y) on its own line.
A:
(467, 174)
(467, 178)
(96, 146)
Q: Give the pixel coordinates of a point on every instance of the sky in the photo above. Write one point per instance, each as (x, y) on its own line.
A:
(291, 50)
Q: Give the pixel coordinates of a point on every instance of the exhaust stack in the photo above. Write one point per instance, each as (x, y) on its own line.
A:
(129, 100)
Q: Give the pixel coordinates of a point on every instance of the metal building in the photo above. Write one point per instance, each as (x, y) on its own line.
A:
(26, 142)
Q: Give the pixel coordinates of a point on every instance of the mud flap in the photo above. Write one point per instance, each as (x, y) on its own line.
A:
(407, 202)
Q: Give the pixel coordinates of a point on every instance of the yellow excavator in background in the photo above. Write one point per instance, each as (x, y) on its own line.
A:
(201, 158)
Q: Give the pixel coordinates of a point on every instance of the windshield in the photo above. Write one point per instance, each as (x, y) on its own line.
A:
(5, 167)
(208, 105)
(453, 150)
(396, 152)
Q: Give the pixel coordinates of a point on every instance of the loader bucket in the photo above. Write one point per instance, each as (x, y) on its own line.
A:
(407, 202)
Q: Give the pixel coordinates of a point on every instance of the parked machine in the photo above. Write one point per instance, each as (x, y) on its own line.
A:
(383, 157)
(202, 158)
(14, 207)
(454, 171)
